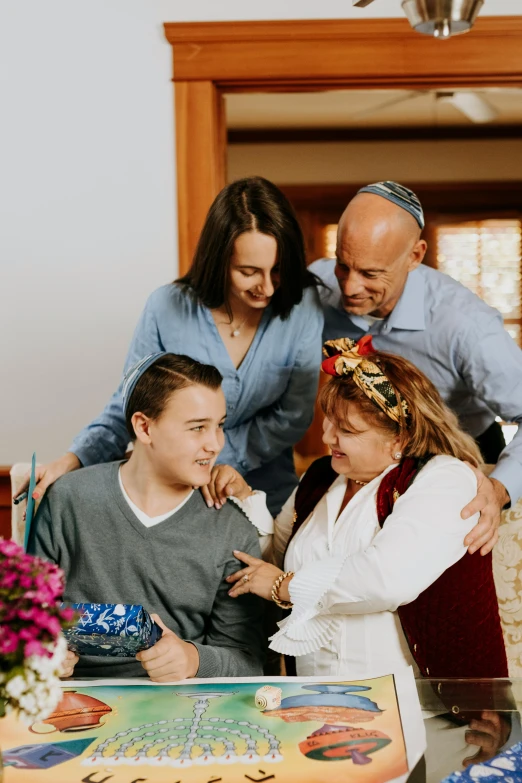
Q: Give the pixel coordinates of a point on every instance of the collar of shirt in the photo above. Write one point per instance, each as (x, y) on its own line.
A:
(408, 313)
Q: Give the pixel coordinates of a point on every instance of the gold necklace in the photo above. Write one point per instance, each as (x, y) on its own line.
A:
(361, 483)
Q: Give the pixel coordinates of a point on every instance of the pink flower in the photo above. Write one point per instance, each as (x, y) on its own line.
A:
(49, 623)
(9, 548)
(27, 634)
(35, 648)
(8, 641)
(27, 614)
(7, 579)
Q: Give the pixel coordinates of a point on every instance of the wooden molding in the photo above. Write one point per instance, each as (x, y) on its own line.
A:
(210, 58)
(373, 133)
(445, 198)
(321, 29)
(5, 502)
(341, 52)
(200, 159)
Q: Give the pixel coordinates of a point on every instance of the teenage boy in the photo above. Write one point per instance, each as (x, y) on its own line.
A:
(137, 532)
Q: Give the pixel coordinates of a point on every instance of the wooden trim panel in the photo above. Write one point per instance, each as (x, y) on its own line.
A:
(400, 133)
(212, 57)
(200, 157)
(440, 197)
(370, 52)
(321, 30)
(5, 502)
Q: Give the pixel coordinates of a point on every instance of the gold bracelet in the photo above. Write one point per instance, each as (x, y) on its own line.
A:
(275, 590)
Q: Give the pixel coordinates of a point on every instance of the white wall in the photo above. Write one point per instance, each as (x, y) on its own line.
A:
(87, 184)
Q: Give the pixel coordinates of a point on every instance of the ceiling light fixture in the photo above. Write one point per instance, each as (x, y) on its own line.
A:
(439, 18)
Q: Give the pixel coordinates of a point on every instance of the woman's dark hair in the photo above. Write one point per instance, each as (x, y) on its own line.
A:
(249, 204)
(168, 374)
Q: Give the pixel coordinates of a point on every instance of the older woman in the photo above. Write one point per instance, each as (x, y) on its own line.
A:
(369, 549)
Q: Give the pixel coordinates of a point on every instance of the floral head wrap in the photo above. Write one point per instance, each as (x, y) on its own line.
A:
(346, 357)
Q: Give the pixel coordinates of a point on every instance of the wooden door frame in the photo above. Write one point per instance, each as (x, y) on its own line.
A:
(213, 58)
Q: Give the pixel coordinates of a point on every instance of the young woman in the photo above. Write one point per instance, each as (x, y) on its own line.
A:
(248, 306)
(369, 553)
(137, 532)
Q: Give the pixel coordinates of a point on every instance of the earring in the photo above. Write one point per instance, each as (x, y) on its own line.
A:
(397, 455)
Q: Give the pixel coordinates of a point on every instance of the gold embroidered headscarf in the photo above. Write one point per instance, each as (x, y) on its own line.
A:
(347, 357)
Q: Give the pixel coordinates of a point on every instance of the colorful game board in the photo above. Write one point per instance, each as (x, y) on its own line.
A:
(211, 731)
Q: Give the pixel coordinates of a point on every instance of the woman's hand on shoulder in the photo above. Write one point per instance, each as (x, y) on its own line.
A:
(48, 474)
(225, 482)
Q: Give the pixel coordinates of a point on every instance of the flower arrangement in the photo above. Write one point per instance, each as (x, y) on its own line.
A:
(32, 647)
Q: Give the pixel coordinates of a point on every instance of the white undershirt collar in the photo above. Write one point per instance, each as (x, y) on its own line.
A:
(142, 516)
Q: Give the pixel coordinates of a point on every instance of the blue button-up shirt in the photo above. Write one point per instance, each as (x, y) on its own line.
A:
(457, 340)
(270, 397)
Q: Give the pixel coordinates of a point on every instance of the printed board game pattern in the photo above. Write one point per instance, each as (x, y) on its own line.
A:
(212, 732)
(191, 734)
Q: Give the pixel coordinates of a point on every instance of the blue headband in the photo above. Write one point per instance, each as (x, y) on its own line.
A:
(134, 373)
(398, 194)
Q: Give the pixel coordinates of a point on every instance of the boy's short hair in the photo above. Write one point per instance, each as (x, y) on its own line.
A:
(167, 374)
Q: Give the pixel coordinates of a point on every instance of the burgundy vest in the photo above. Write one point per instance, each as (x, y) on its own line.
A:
(452, 628)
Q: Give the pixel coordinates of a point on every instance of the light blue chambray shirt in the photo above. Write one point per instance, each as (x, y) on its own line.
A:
(457, 340)
(270, 397)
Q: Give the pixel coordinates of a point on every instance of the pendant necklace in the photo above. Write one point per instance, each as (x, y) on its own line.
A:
(236, 330)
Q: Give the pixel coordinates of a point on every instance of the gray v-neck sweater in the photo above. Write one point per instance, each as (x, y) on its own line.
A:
(176, 569)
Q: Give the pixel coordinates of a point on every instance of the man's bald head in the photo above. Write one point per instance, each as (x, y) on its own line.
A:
(375, 217)
(378, 244)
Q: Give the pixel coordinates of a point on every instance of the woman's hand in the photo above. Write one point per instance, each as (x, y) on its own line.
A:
(47, 474)
(67, 667)
(225, 482)
(261, 578)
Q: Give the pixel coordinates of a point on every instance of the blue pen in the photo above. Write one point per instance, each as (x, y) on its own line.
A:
(19, 499)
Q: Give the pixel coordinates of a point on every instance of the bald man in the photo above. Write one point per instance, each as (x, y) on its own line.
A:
(377, 286)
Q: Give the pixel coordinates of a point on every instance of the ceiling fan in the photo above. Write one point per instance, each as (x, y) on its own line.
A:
(472, 104)
(440, 18)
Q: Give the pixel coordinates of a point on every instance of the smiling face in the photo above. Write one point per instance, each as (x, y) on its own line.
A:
(360, 450)
(254, 271)
(378, 245)
(183, 443)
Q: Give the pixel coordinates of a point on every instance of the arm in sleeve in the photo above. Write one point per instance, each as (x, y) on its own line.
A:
(235, 643)
(106, 438)
(491, 365)
(281, 425)
(273, 533)
(42, 540)
(421, 538)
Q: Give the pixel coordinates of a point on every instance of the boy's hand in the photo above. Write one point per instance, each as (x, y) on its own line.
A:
(70, 661)
(169, 659)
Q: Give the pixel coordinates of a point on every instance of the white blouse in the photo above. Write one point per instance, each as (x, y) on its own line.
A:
(351, 575)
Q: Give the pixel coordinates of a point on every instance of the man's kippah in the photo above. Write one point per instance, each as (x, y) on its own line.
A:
(133, 375)
(398, 194)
